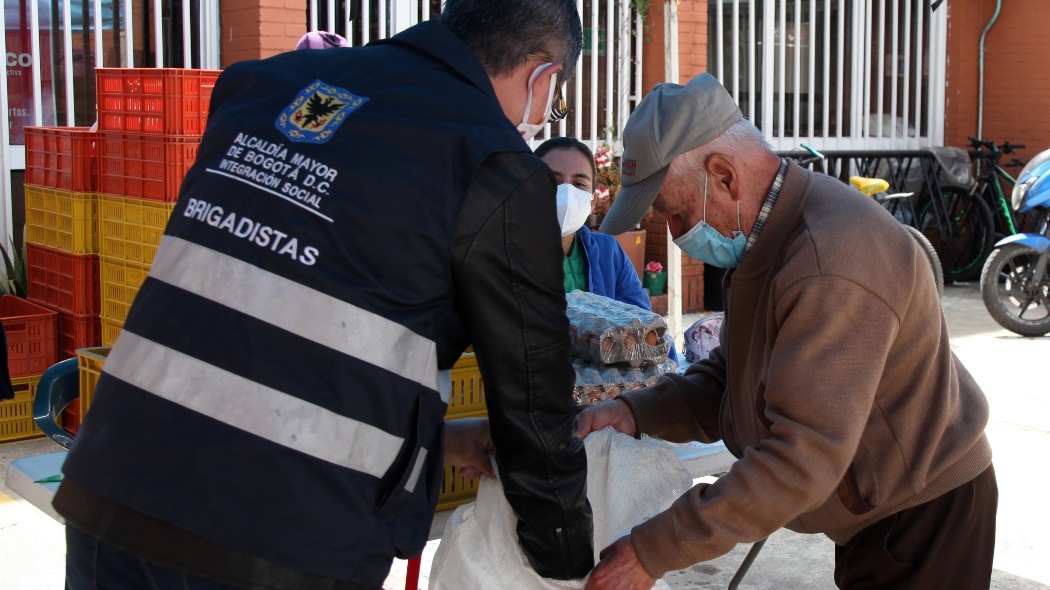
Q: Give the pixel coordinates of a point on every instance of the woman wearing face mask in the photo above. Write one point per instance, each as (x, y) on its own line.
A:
(594, 262)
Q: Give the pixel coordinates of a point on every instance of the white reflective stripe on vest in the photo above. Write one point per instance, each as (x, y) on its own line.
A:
(252, 407)
(301, 310)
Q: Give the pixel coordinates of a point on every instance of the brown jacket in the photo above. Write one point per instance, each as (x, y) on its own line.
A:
(834, 385)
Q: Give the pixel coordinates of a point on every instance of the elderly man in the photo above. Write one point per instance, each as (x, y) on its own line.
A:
(833, 384)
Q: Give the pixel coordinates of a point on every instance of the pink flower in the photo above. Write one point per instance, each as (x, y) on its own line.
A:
(654, 266)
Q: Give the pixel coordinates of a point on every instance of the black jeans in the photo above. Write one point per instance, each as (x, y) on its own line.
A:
(947, 542)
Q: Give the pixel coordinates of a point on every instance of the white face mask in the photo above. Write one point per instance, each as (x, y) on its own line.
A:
(574, 206)
(528, 130)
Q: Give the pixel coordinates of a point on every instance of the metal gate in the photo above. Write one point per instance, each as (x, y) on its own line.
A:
(838, 74)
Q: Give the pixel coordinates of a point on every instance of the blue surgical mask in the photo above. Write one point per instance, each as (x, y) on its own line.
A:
(707, 245)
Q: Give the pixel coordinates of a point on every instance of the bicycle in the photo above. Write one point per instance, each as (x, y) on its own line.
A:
(876, 189)
(977, 214)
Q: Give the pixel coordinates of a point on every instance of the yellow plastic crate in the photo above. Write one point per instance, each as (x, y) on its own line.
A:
(16, 415)
(466, 400)
(130, 229)
(110, 330)
(89, 363)
(120, 283)
(61, 219)
(467, 397)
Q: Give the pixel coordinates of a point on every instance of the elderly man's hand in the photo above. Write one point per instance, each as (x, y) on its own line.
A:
(619, 569)
(613, 413)
(468, 446)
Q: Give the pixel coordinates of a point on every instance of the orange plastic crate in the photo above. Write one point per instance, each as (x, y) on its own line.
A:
(144, 166)
(16, 415)
(120, 283)
(130, 229)
(61, 219)
(62, 157)
(154, 101)
(31, 336)
(77, 331)
(62, 281)
(70, 417)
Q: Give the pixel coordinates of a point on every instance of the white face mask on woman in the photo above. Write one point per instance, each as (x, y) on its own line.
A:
(574, 205)
(529, 130)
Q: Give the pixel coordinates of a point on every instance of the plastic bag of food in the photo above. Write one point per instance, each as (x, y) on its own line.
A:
(605, 331)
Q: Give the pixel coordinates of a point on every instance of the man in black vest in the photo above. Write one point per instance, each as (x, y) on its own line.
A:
(271, 415)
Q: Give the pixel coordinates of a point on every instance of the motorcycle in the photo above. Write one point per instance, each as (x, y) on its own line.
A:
(1015, 284)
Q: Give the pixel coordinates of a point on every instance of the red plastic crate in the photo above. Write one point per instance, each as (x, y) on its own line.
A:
(62, 157)
(144, 166)
(31, 336)
(62, 281)
(77, 331)
(71, 417)
(157, 101)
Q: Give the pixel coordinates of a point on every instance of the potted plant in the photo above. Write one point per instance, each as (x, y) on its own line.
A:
(655, 278)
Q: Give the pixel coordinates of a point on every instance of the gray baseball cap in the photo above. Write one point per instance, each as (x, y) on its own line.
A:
(670, 120)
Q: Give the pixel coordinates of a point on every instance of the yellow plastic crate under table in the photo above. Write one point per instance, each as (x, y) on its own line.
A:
(466, 400)
(16, 415)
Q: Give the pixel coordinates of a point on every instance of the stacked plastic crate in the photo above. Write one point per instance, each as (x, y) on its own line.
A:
(150, 122)
(62, 262)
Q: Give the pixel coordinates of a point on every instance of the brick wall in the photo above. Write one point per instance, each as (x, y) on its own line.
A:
(254, 29)
(1016, 87)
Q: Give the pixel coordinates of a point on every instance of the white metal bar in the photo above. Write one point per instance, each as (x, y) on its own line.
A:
(920, 90)
(594, 71)
(840, 88)
(67, 58)
(331, 16)
(825, 115)
(865, 71)
(782, 70)
(610, 62)
(129, 33)
(812, 53)
(97, 32)
(880, 75)
(158, 33)
(187, 35)
(34, 36)
(577, 111)
(906, 112)
(639, 54)
(674, 255)
(736, 51)
(366, 25)
(768, 73)
(381, 17)
(720, 41)
(938, 47)
(894, 73)
(796, 87)
(313, 16)
(752, 108)
(623, 66)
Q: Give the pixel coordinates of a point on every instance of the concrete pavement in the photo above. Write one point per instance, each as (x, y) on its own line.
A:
(1010, 368)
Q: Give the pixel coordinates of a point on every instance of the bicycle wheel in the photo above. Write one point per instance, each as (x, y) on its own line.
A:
(931, 257)
(1014, 301)
(962, 231)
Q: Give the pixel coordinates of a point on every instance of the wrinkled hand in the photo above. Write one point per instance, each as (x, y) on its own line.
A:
(615, 413)
(468, 446)
(619, 569)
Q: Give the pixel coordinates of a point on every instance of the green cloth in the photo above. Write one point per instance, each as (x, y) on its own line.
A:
(575, 267)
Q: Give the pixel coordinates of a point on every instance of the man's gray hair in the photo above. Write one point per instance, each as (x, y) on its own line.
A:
(503, 33)
(738, 138)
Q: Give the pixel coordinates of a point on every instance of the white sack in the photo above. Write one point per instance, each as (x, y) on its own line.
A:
(628, 481)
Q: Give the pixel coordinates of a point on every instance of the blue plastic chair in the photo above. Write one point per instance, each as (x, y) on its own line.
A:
(58, 387)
